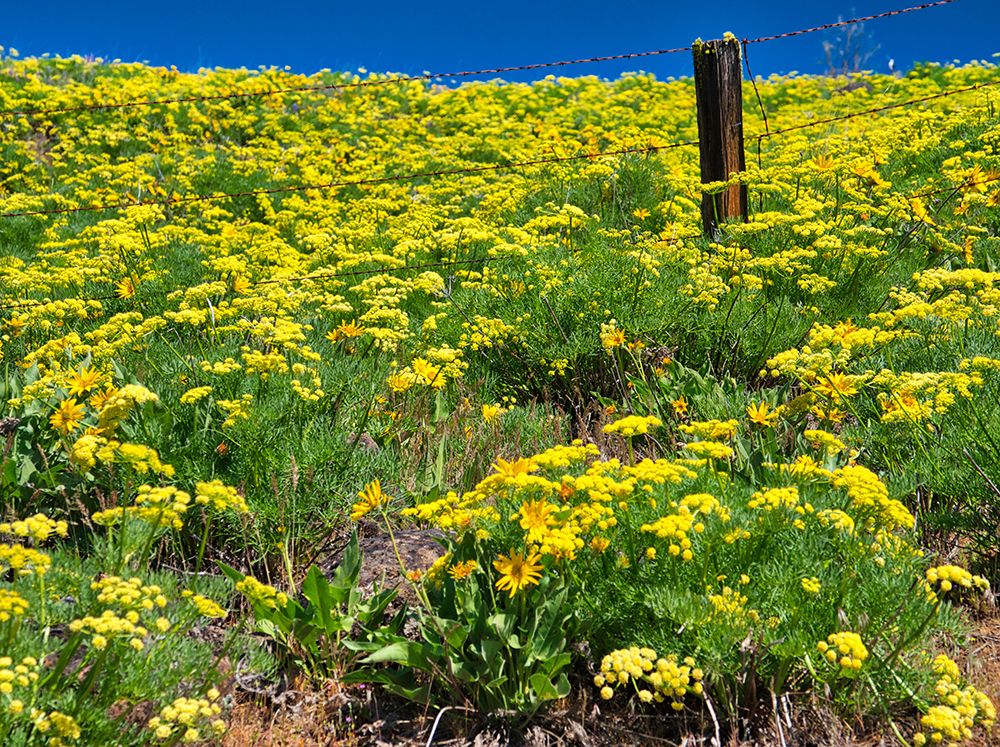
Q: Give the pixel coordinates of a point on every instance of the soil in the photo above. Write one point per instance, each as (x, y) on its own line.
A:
(296, 715)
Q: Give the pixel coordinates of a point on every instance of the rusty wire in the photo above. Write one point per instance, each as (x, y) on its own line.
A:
(848, 22)
(341, 86)
(345, 183)
(452, 74)
(887, 107)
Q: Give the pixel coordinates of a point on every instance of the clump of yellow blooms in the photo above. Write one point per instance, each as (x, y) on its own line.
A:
(12, 604)
(190, 719)
(709, 449)
(206, 607)
(775, 498)
(711, 430)
(128, 594)
(237, 410)
(729, 607)
(195, 394)
(159, 506)
(13, 677)
(948, 577)
(811, 585)
(23, 561)
(654, 678)
(110, 626)
(38, 527)
(870, 496)
(370, 499)
(632, 425)
(220, 496)
(261, 593)
(121, 403)
(60, 728)
(824, 440)
(959, 708)
(611, 336)
(846, 649)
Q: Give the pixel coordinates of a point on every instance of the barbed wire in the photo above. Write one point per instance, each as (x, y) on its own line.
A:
(382, 270)
(974, 182)
(345, 183)
(886, 107)
(986, 179)
(479, 169)
(423, 77)
(292, 279)
(343, 86)
(849, 22)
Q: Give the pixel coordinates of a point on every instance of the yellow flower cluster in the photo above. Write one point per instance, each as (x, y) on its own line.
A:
(91, 448)
(845, 649)
(958, 709)
(730, 608)
(453, 511)
(667, 677)
(632, 425)
(371, 498)
(120, 404)
(12, 604)
(611, 336)
(159, 506)
(711, 430)
(13, 676)
(772, 499)
(834, 517)
(23, 561)
(60, 728)
(206, 607)
(870, 497)
(675, 527)
(195, 394)
(237, 410)
(38, 527)
(261, 593)
(109, 625)
(948, 576)
(824, 440)
(128, 594)
(220, 496)
(811, 585)
(190, 719)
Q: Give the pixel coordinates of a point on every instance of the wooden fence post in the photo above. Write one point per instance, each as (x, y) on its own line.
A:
(718, 85)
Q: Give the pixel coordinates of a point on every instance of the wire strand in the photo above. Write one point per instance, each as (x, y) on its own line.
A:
(849, 22)
(345, 183)
(453, 263)
(341, 86)
(887, 107)
(453, 74)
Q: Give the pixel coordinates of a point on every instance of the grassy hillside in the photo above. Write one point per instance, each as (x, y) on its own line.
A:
(620, 432)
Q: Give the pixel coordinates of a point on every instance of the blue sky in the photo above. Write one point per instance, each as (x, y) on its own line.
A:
(445, 35)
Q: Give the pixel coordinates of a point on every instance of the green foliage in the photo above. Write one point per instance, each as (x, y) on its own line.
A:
(505, 658)
(321, 635)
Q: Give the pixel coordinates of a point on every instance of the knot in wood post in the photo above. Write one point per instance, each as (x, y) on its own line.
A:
(718, 84)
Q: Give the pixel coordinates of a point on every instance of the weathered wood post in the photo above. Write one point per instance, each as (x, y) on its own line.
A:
(718, 85)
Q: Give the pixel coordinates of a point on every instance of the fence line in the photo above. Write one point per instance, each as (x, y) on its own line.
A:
(453, 263)
(344, 86)
(849, 22)
(480, 169)
(887, 107)
(295, 279)
(367, 273)
(345, 183)
(454, 74)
